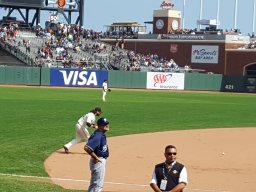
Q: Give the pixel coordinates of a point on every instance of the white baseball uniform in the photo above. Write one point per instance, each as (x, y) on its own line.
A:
(82, 133)
(104, 90)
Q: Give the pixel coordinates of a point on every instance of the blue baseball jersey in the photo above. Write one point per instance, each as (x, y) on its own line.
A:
(98, 144)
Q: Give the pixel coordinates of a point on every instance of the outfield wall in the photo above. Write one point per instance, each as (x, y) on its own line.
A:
(20, 75)
(125, 79)
(199, 81)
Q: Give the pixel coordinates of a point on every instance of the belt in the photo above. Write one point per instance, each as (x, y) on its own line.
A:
(103, 157)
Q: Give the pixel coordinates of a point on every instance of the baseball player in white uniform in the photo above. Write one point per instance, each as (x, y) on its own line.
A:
(104, 89)
(82, 125)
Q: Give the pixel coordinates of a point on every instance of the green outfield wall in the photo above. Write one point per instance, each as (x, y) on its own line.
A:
(233, 84)
(20, 75)
(2, 75)
(127, 79)
(45, 76)
(32, 75)
(24, 75)
(133, 79)
(199, 81)
(12, 75)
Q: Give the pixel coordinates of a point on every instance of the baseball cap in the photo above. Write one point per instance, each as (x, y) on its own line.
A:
(97, 109)
(102, 121)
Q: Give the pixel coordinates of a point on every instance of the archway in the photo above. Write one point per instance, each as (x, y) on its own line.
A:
(250, 70)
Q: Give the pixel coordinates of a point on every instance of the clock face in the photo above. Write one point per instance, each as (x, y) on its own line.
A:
(175, 25)
(159, 24)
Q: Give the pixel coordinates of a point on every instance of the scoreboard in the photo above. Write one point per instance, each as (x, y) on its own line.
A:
(22, 3)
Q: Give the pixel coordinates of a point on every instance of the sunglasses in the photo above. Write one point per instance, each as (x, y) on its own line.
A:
(169, 154)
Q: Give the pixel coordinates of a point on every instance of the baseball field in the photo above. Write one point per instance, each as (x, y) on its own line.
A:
(35, 122)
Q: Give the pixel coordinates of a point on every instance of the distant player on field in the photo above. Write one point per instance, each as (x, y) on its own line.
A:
(104, 90)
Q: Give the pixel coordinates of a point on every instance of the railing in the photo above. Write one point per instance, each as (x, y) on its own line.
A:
(17, 53)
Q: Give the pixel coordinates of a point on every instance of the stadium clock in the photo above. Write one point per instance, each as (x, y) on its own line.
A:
(159, 24)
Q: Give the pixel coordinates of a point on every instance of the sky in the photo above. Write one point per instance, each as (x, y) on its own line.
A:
(98, 13)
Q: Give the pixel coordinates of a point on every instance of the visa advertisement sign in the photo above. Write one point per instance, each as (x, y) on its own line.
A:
(77, 77)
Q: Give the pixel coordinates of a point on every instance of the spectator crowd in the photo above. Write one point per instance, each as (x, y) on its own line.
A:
(64, 42)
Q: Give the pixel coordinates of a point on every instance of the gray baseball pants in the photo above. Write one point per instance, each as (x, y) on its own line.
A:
(97, 175)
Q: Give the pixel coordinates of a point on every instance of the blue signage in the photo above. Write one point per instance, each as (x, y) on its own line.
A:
(78, 77)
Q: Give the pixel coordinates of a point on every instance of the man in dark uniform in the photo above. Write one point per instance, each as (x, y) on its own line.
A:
(170, 175)
(97, 148)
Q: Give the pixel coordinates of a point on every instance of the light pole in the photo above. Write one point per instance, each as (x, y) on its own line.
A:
(183, 14)
(253, 19)
(201, 12)
(235, 18)
(218, 13)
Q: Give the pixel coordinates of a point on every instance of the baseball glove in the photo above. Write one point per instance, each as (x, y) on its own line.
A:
(109, 90)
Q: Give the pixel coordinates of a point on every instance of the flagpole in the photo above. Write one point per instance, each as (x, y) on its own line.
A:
(183, 19)
(201, 12)
(218, 13)
(253, 20)
(235, 26)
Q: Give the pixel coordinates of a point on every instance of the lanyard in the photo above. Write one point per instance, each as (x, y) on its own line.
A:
(169, 170)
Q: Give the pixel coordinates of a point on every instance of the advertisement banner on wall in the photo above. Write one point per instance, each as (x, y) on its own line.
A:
(77, 77)
(205, 54)
(161, 80)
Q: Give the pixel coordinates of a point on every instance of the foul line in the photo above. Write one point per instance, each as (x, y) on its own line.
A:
(86, 181)
(62, 179)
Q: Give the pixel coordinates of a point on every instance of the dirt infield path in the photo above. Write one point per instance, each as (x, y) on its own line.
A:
(133, 157)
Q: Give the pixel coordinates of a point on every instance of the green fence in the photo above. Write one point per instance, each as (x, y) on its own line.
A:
(131, 79)
(32, 75)
(45, 76)
(232, 84)
(198, 81)
(2, 75)
(13, 75)
(24, 75)
(127, 79)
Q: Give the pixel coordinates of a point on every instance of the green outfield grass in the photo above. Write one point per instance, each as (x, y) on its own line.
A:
(34, 122)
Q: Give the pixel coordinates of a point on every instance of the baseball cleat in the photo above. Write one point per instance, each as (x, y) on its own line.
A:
(66, 149)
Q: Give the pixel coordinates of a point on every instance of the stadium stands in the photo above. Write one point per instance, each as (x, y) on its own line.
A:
(71, 47)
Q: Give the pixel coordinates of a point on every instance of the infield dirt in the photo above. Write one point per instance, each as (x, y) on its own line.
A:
(218, 160)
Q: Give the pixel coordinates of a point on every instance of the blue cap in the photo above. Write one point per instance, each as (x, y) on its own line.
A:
(102, 121)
